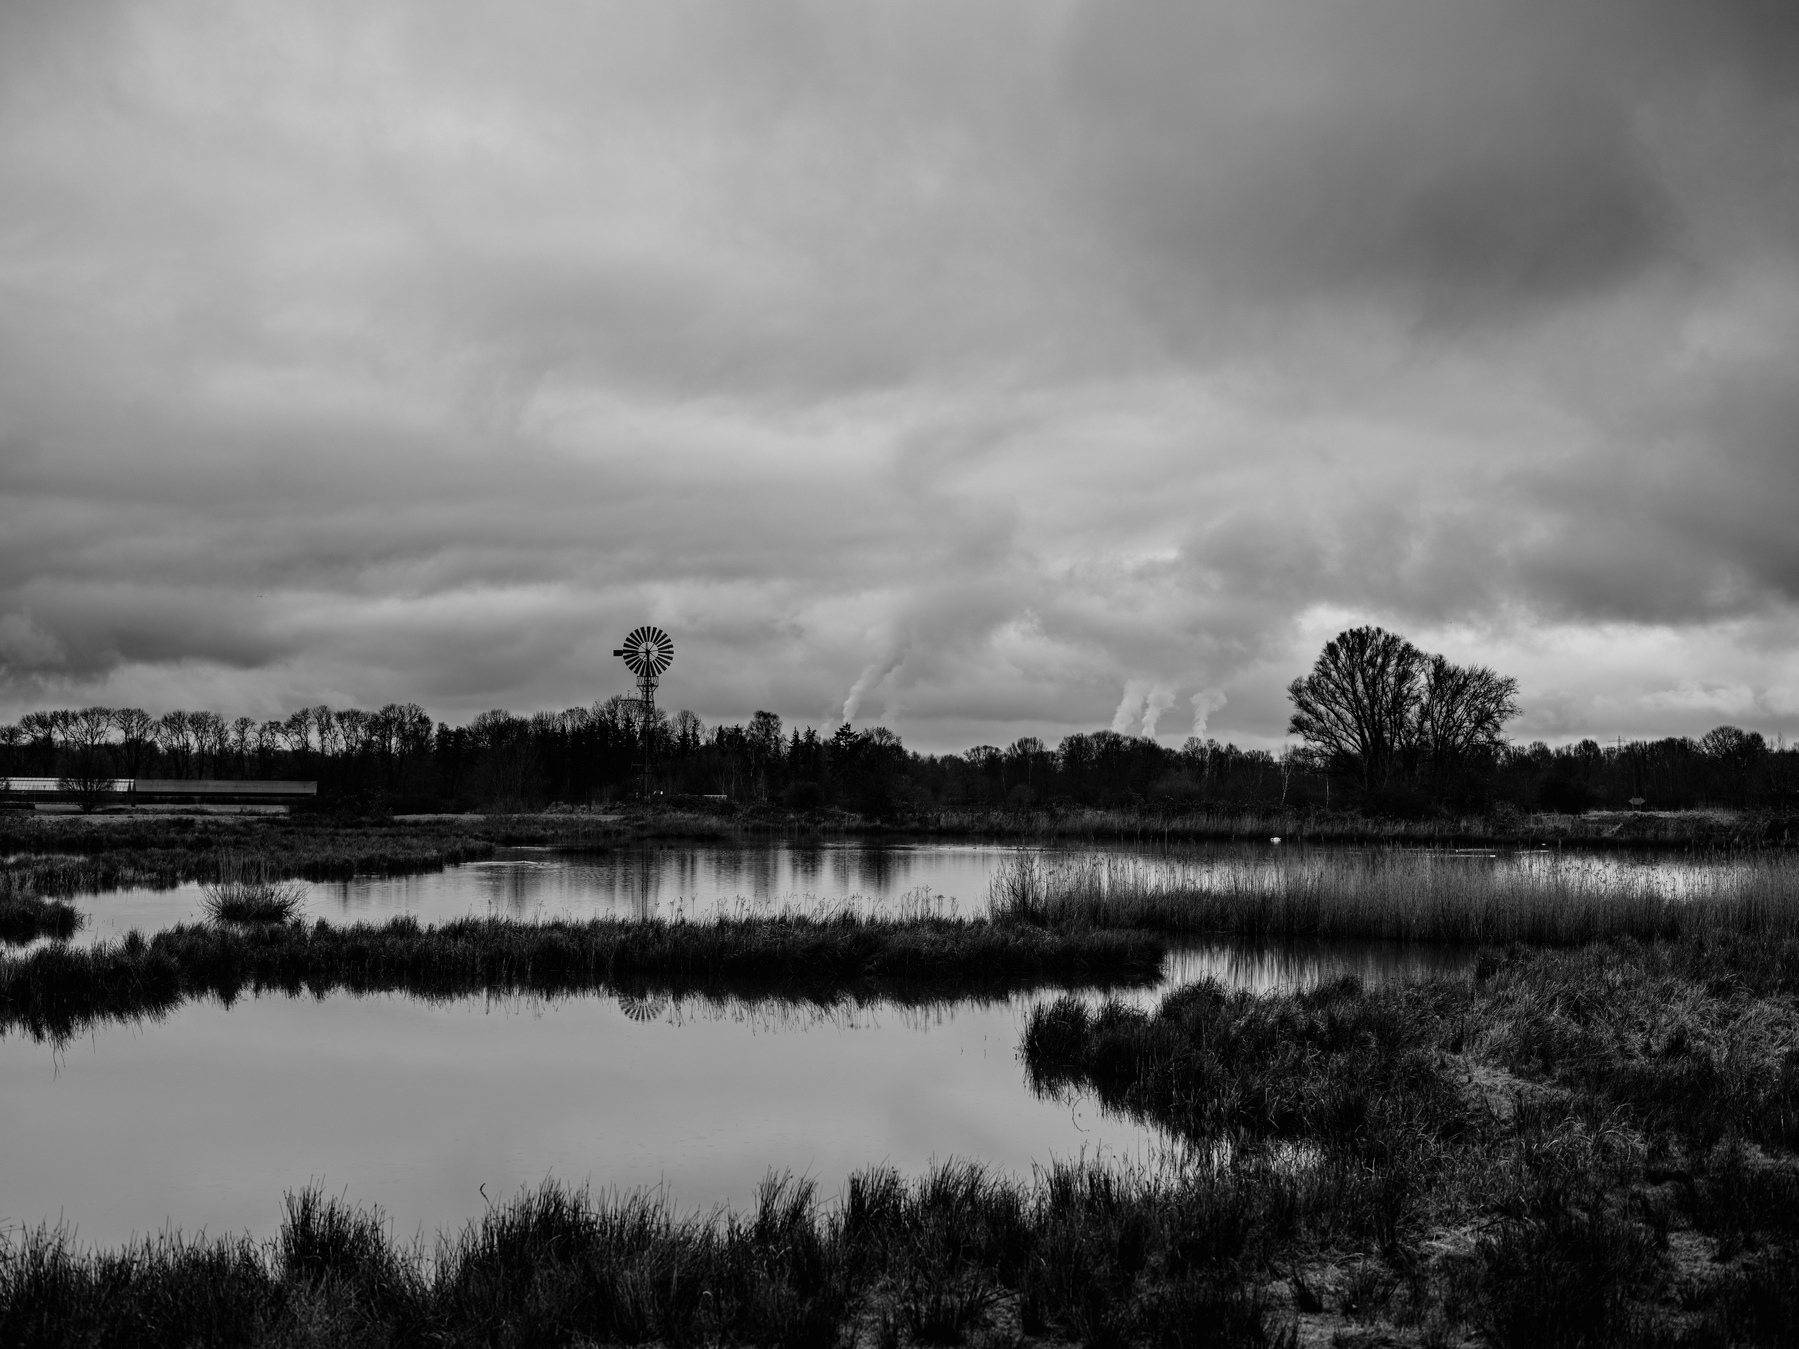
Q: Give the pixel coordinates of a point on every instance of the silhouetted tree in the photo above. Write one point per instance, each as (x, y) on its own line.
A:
(137, 738)
(1358, 702)
(87, 767)
(1737, 754)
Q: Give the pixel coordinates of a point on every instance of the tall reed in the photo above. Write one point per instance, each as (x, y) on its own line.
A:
(1403, 895)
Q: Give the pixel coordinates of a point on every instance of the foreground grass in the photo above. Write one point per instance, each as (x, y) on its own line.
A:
(56, 991)
(1582, 1147)
(928, 1262)
(1406, 895)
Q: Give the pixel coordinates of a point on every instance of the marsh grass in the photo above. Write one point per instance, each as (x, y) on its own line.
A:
(55, 991)
(26, 918)
(954, 1254)
(1577, 1146)
(63, 856)
(1406, 895)
(1603, 830)
(246, 892)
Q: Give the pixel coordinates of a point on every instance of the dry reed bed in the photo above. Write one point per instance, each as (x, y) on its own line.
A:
(1400, 895)
(1600, 831)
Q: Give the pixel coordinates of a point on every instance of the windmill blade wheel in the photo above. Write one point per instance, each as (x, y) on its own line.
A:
(648, 651)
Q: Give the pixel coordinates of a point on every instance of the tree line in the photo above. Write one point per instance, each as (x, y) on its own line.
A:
(1383, 728)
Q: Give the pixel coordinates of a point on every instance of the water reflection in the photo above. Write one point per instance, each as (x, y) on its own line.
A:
(1264, 968)
(203, 1119)
(701, 881)
(676, 881)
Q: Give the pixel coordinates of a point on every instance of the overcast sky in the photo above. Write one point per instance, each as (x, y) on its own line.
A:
(982, 369)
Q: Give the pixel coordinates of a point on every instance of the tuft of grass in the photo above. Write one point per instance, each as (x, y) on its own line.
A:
(1405, 895)
(247, 892)
(25, 918)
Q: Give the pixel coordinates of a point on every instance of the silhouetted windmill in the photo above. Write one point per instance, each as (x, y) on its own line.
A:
(648, 651)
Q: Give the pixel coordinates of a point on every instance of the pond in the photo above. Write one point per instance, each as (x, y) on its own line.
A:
(694, 881)
(432, 1110)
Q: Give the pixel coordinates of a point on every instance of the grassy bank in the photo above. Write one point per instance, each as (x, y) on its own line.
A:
(1587, 1147)
(1405, 895)
(71, 855)
(56, 991)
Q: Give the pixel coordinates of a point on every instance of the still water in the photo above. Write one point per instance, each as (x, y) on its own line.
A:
(701, 881)
(431, 1110)
(203, 1119)
(693, 881)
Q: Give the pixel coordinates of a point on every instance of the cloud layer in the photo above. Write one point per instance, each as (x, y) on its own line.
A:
(989, 369)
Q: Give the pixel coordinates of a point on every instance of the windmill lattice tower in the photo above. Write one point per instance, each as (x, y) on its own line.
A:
(647, 652)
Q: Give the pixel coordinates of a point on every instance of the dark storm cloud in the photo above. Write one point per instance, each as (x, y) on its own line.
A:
(1458, 158)
(990, 368)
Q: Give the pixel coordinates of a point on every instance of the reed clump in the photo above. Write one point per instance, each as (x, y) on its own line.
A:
(1406, 895)
(247, 892)
(26, 918)
(55, 991)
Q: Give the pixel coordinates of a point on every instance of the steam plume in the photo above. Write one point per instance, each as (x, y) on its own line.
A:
(1205, 702)
(1160, 699)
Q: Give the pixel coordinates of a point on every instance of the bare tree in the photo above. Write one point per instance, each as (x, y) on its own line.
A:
(1461, 710)
(212, 740)
(267, 743)
(326, 727)
(1738, 753)
(40, 730)
(87, 770)
(1357, 703)
(175, 736)
(137, 735)
(689, 731)
(354, 730)
(242, 738)
(296, 734)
